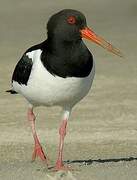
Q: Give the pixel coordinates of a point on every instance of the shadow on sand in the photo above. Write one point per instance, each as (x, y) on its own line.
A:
(91, 161)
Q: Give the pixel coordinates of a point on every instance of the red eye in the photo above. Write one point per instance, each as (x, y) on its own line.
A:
(71, 20)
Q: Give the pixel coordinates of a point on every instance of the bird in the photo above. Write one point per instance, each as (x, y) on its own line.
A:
(58, 72)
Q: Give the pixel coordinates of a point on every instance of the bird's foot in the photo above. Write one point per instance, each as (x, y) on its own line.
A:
(38, 152)
(61, 167)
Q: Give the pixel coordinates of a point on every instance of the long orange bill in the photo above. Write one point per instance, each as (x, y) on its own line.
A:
(90, 35)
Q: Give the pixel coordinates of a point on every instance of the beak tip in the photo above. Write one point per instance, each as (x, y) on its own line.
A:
(87, 33)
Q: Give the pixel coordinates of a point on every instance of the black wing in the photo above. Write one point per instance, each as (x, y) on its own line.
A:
(22, 70)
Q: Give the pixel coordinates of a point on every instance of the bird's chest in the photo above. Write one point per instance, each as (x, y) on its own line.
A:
(45, 89)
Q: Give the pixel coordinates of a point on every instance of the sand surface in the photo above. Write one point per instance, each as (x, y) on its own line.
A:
(101, 143)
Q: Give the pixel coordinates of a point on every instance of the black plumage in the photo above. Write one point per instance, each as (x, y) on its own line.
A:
(22, 70)
(71, 60)
(11, 91)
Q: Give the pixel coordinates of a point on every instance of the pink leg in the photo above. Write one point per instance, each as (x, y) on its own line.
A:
(38, 151)
(62, 131)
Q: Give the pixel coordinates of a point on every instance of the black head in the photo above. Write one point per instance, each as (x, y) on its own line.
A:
(70, 25)
(66, 25)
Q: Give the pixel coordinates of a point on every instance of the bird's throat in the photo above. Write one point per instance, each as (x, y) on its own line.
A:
(61, 47)
(67, 58)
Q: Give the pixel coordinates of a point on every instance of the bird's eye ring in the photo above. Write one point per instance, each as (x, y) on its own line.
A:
(71, 20)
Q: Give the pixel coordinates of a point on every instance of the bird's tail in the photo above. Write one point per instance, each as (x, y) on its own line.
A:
(11, 91)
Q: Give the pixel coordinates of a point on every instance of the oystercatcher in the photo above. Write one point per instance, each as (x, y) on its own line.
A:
(58, 71)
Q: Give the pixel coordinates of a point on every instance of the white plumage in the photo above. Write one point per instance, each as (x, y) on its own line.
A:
(43, 88)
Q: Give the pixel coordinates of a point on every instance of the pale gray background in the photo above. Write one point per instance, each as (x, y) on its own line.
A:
(103, 125)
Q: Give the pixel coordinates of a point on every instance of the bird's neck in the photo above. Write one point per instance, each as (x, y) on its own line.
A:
(67, 58)
(61, 48)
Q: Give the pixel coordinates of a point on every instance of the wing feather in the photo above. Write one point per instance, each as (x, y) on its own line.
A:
(22, 70)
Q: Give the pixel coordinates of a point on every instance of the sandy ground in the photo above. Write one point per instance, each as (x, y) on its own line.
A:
(101, 143)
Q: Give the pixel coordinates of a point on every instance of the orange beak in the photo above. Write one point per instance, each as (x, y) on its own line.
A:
(90, 35)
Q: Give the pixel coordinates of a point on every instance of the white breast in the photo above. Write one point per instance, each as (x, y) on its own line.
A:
(45, 89)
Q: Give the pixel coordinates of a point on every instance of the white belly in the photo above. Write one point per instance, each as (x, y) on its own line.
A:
(45, 89)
